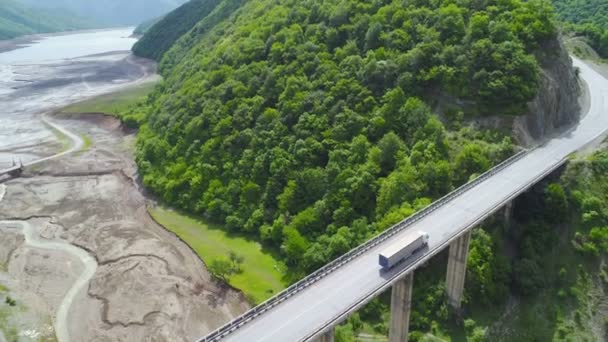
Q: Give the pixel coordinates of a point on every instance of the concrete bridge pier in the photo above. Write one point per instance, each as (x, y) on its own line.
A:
(509, 213)
(328, 336)
(401, 303)
(457, 270)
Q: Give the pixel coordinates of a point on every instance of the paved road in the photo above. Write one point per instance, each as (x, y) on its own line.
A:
(326, 302)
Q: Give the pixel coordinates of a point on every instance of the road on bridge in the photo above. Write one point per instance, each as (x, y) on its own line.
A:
(326, 302)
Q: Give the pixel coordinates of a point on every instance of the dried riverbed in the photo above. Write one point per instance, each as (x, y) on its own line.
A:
(79, 252)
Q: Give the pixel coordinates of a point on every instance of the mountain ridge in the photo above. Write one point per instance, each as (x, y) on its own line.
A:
(110, 12)
(18, 20)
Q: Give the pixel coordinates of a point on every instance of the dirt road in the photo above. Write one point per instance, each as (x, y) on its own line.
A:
(32, 239)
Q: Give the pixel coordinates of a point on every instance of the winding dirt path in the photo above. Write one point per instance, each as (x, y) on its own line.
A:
(77, 142)
(32, 239)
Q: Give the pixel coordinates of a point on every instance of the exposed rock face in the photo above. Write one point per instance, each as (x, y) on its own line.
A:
(556, 106)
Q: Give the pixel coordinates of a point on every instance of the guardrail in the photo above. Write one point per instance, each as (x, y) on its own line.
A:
(319, 274)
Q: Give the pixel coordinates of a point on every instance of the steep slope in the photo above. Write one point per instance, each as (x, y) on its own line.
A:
(163, 34)
(142, 28)
(293, 120)
(17, 20)
(111, 12)
(204, 29)
(583, 11)
(587, 17)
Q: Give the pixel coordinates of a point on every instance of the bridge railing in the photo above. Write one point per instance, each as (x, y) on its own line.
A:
(354, 253)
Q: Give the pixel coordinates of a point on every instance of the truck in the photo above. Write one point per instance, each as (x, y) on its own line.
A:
(403, 248)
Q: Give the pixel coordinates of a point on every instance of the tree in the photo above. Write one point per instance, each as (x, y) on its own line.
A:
(556, 202)
(372, 37)
(221, 268)
(236, 260)
(392, 149)
(472, 159)
(487, 274)
(294, 245)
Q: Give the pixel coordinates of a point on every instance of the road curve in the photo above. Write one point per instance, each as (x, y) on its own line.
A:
(77, 142)
(326, 301)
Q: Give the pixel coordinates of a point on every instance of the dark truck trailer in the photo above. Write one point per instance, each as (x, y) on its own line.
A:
(403, 248)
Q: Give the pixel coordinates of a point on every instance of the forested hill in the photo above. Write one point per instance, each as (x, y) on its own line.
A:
(308, 124)
(587, 17)
(18, 20)
(163, 34)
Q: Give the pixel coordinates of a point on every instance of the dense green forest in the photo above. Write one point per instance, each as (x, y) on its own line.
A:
(586, 17)
(165, 32)
(18, 20)
(308, 124)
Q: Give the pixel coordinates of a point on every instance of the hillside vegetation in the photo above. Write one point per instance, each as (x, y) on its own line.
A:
(542, 276)
(589, 18)
(116, 104)
(164, 33)
(18, 20)
(308, 124)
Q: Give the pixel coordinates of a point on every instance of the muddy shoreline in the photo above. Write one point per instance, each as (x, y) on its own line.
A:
(148, 282)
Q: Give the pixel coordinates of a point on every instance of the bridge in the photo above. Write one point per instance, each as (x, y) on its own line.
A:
(14, 171)
(310, 309)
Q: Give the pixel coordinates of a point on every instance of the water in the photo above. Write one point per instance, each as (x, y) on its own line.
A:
(66, 46)
(52, 72)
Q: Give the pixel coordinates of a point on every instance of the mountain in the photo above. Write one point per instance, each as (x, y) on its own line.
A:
(111, 12)
(292, 120)
(142, 28)
(312, 125)
(162, 35)
(583, 11)
(588, 18)
(17, 19)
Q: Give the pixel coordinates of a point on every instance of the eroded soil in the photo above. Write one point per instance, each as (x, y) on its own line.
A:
(148, 284)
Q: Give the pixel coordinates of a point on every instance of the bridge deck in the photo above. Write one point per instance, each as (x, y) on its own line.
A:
(10, 170)
(326, 302)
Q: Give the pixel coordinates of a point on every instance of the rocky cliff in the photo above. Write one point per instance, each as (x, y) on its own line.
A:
(556, 106)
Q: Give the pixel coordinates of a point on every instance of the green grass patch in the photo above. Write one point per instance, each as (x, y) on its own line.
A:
(113, 103)
(87, 142)
(8, 329)
(3, 289)
(262, 275)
